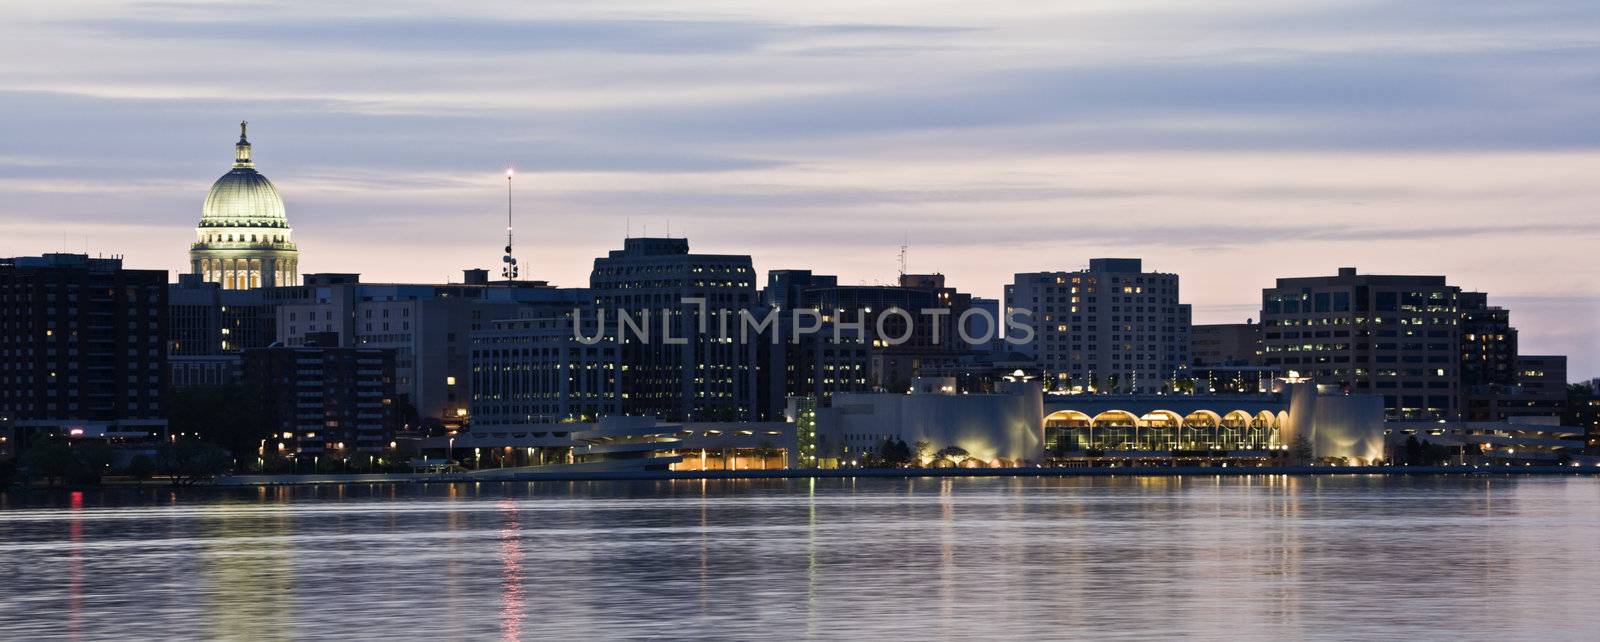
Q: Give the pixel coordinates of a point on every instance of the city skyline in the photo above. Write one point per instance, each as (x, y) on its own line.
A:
(994, 142)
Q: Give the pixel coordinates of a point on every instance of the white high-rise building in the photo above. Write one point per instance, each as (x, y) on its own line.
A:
(1112, 327)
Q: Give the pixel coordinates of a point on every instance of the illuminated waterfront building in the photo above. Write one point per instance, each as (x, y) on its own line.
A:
(243, 239)
(618, 443)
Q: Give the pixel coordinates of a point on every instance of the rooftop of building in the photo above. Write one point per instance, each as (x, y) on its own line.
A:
(1349, 276)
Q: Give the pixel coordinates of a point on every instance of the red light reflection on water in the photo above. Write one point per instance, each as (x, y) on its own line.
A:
(75, 567)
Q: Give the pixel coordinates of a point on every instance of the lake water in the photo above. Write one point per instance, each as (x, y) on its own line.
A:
(1267, 558)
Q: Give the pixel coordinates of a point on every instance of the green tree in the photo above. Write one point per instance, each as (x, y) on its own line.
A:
(1300, 450)
(952, 454)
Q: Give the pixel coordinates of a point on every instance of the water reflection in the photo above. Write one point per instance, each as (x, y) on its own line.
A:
(511, 605)
(1263, 557)
(246, 575)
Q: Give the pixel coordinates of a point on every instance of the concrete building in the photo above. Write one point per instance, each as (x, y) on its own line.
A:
(706, 377)
(618, 443)
(1488, 344)
(906, 348)
(999, 429)
(1395, 336)
(1583, 411)
(1111, 327)
(808, 365)
(320, 400)
(1019, 424)
(1225, 344)
(1237, 380)
(82, 344)
(205, 370)
(1102, 430)
(534, 371)
(428, 326)
(206, 319)
(1538, 389)
(243, 240)
(1516, 442)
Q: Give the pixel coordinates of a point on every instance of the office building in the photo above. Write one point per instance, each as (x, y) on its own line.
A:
(192, 371)
(534, 371)
(320, 400)
(206, 319)
(1488, 344)
(1539, 389)
(82, 344)
(682, 370)
(1225, 344)
(1395, 336)
(905, 348)
(427, 326)
(1110, 328)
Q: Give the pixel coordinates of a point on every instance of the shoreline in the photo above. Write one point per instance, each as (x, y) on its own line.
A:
(884, 473)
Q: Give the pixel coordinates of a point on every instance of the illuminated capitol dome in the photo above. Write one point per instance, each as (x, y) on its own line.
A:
(243, 238)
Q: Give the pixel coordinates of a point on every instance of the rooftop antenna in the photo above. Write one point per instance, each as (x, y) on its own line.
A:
(904, 246)
(629, 233)
(509, 269)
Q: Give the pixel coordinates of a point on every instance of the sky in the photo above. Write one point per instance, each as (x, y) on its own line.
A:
(1229, 142)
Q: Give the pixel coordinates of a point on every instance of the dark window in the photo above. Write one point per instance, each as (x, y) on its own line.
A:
(1388, 302)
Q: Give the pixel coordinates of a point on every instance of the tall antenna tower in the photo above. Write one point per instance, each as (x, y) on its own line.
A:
(509, 269)
(904, 247)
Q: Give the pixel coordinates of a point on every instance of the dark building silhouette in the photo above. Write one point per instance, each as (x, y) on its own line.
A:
(930, 342)
(321, 400)
(1488, 343)
(706, 377)
(82, 344)
(1225, 344)
(205, 319)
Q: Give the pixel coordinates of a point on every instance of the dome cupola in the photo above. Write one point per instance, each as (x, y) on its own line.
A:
(243, 237)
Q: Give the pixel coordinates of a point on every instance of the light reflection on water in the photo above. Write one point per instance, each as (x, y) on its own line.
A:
(1022, 558)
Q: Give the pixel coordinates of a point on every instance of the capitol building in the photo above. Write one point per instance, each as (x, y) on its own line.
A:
(243, 237)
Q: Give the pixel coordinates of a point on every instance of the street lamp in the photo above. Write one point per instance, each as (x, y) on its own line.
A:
(449, 451)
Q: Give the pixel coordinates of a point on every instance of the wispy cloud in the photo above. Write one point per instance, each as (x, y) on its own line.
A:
(1229, 141)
